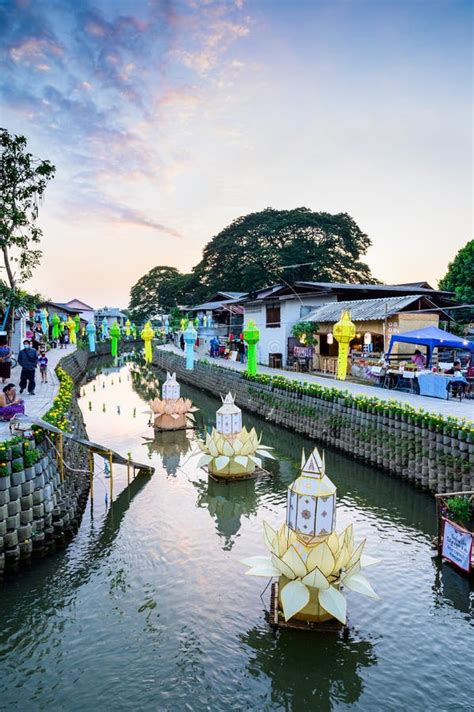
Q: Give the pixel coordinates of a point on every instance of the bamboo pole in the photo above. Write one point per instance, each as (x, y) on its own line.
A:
(111, 478)
(91, 470)
(61, 457)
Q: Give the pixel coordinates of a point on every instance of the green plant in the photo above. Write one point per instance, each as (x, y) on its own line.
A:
(306, 332)
(459, 509)
(3, 469)
(17, 466)
(31, 457)
(17, 451)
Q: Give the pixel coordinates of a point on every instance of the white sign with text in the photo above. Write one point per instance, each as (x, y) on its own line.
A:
(457, 545)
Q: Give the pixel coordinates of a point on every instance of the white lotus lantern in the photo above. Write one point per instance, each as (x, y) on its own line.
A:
(171, 412)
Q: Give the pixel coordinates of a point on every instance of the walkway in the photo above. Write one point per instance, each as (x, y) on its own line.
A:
(39, 404)
(460, 409)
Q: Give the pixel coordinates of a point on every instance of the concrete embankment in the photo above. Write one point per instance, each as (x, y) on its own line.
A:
(41, 503)
(438, 457)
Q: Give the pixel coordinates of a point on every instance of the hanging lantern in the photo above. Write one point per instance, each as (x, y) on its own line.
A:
(170, 389)
(367, 338)
(229, 417)
(311, 504)
(330, 339)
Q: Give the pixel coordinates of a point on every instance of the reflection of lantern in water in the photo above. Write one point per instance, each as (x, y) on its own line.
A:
(227, 503)
(309, 558)
(170, 446)
(231, 450)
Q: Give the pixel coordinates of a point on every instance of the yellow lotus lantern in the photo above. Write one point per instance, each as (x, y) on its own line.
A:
(344, 331)
(231, 450)
(171, 411)
(310, 559)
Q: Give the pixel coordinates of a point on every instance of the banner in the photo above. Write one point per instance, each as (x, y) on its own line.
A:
(457, 545)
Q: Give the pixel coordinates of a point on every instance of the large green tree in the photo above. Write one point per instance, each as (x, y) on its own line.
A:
(460, 275)
(158, 291)
(23, 180)
(272, 245)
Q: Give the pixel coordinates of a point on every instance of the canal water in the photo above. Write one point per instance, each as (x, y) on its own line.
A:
(149, 608)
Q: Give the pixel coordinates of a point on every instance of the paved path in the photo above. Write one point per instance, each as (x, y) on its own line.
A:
(461, 409)
(45, 393)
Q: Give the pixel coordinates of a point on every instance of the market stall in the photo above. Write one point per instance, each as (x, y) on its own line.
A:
(431, 338)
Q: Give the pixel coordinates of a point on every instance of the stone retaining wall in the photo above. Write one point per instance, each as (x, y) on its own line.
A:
(433, 460)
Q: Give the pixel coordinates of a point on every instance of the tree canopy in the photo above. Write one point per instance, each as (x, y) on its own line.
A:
(272, 245)
(460, 275)
(157, 291)
(23, 180)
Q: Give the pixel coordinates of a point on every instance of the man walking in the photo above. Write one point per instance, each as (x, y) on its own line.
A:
(27, 359)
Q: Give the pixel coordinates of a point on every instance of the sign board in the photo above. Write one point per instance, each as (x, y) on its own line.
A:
(457, 545)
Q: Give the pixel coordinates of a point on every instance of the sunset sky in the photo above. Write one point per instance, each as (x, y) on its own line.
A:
(167, 119)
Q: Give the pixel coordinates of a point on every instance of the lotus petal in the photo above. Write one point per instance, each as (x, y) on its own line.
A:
(359, 584)
(354, 569)
(334, 603)
(204, 460)
(264, 453)
(191, 417)
(283, 567)
(282, 540)
(263, 570)
(241, 460)
(247, 447)
(342, 559)
(256, 560)
(366, 560)
(269, 534)
(237, 444)
(316, 579)
(294, 597)
(349, 537)
(227, 449)
(322, 558)
(212, 448)
(333, 542)
(264, 447)
(201, 446)
(221, 462)
(295, 562)
(256, 460)
(356, 554)
(175, 416)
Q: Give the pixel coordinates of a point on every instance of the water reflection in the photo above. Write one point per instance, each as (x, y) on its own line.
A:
(227, 503)
(329, 668)
(171, 447)
(453, 589)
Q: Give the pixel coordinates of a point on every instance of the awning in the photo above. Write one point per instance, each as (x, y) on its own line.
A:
(432, 338)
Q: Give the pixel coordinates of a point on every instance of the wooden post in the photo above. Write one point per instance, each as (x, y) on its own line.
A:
(61, 456)
(128, 471)
(111, 478)
(91, 471)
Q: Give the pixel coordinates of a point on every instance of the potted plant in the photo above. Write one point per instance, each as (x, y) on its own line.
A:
(30, 459)
(18, 473)
(459, 509)
(4, 477)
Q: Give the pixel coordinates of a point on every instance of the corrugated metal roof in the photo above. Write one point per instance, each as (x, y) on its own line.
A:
(361, 309)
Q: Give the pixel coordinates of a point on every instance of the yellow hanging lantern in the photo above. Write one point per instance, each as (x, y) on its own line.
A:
(344, 331)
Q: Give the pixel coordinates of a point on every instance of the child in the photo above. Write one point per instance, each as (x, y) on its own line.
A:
(43, 366)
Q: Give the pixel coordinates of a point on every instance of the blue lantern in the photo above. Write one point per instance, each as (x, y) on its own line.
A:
(190, 336)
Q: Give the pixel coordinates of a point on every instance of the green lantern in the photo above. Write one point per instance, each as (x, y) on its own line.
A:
(114, 332)
(55, 320)
(77, 321)
(251, 338)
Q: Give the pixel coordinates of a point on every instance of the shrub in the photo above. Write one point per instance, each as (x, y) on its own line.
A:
(459, 509)
(17, 466)
(3, 469)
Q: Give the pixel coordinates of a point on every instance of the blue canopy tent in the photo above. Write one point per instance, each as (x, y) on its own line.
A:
(432, 338)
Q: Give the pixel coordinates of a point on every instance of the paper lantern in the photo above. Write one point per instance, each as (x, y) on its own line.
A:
(55, 321)
(190, 336)
(147, 336)
(311, 503)
(171, 388)
(90, 329)
(229, 417)
(344, 331)
(71, 326)
(367, 338)
(330, 339)
(114, 338)
(251, 338)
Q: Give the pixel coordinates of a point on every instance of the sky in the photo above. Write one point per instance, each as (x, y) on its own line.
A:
(167, 119)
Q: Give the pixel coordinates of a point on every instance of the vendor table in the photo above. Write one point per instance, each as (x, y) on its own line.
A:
(436, 384)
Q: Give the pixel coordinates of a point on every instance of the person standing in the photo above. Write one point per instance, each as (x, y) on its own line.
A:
(27, 359)
(5, 359)
(43, 366)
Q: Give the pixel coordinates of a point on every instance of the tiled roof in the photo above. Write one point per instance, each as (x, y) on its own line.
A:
(361, 309)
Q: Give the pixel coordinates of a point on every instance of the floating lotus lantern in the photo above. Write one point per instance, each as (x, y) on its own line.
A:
(171, 411)
(231, 450)
(311, 561)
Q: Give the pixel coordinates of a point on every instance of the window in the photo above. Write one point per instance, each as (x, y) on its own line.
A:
(273, 316)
